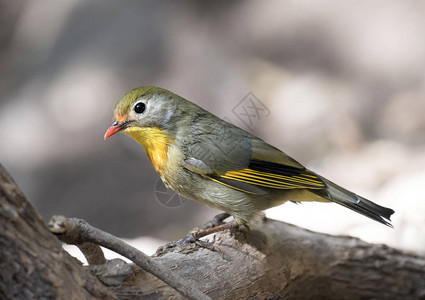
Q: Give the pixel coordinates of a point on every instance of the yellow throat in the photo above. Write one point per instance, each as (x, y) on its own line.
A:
(155, 142)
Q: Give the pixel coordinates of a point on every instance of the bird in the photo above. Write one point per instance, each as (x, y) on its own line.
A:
(204, 158)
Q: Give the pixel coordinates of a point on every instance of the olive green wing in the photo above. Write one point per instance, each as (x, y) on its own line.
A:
(253, 166)
(264, 168)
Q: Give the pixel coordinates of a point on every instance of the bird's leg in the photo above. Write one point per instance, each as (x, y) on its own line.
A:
(204, 232)
(216, 221)
(194, 236)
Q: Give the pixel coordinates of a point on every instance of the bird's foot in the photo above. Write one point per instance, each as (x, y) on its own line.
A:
(192, 241)
(188, 244)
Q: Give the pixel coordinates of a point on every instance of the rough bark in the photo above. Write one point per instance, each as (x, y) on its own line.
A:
(275, 260)
(33, 264)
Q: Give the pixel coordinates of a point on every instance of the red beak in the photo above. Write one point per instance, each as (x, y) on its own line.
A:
(113, 129)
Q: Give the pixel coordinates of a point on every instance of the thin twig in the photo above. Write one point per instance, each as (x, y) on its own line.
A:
(93, 253)
(76, 231)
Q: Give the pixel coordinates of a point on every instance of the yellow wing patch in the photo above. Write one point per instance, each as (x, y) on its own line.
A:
(298, 180)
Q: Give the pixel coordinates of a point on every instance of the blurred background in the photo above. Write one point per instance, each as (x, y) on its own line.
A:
(340, 84)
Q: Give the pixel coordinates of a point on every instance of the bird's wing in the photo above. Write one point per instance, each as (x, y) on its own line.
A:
(253, 166)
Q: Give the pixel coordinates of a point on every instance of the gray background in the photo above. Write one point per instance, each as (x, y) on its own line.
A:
(344, 82)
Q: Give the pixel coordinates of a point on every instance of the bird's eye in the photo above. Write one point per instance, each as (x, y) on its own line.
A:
(139, 107)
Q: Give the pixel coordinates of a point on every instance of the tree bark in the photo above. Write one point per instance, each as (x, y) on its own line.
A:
(275, 260)
(33, 264)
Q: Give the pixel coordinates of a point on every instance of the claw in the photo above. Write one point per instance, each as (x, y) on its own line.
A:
(190, 239)
(193, 238)
(210, 246)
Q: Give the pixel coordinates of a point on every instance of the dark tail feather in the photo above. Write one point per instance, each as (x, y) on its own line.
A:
(354, 202)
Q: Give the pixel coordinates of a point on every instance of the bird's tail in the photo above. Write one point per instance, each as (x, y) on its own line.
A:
(354, 202)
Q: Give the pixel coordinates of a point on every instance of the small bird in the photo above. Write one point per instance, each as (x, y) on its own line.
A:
(207, 159)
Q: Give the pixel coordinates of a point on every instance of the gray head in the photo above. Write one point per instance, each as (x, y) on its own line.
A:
(150, 107)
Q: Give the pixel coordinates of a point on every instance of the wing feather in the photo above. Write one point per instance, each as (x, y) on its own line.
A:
(276, 176)
(262, 174)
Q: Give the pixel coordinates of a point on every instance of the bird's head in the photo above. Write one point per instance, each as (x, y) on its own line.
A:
(147, 109)
(151, 116)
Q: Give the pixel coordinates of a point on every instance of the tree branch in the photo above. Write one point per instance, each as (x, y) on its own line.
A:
(274, 260)
(76, 232)
(33, 264)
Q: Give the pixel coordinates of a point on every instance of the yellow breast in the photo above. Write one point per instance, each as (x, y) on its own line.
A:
(155, 142)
